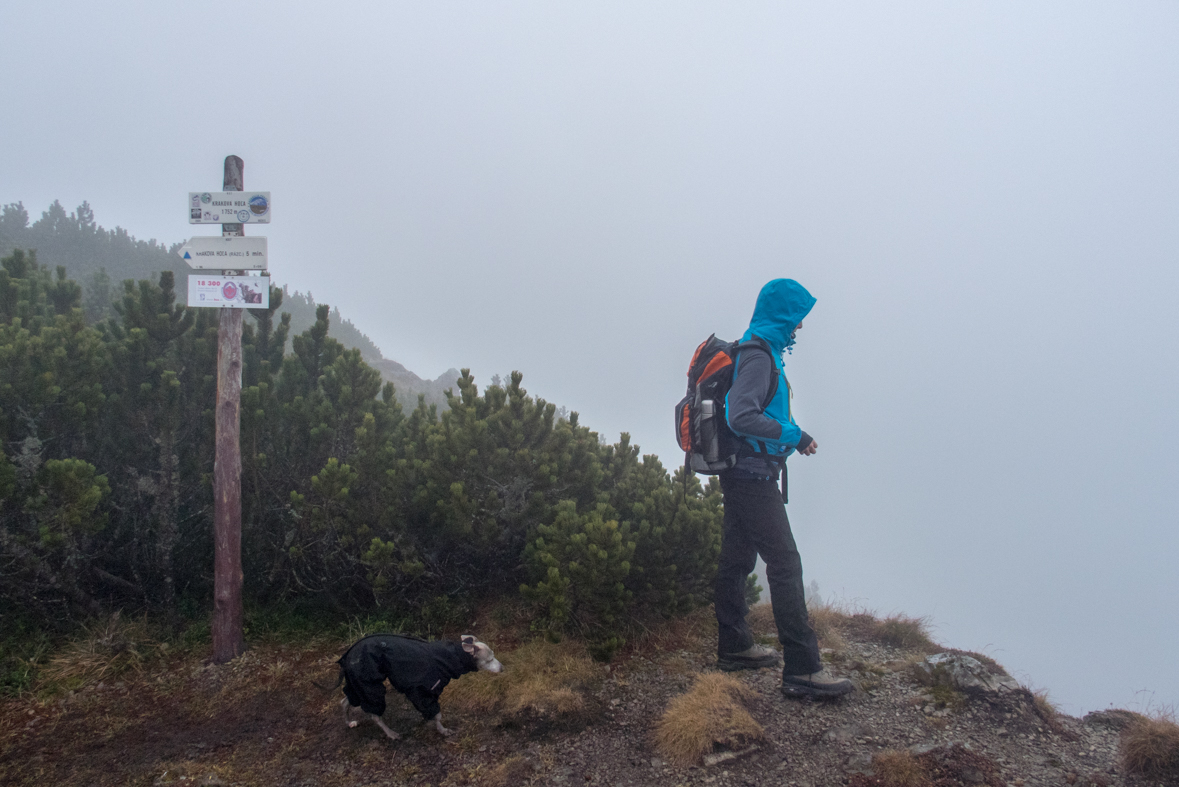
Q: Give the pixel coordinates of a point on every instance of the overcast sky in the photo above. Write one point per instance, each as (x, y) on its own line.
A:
(982, 196)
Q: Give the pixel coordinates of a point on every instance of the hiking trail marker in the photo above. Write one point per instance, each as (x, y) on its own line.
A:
(222, 285)
(233, 252)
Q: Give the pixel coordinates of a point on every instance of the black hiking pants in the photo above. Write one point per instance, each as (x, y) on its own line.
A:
(755, 523)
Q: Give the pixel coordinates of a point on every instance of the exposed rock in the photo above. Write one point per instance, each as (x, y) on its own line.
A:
(967, 674)
(845, 734)
(725, 756)
(860, 762)
(1112, 719)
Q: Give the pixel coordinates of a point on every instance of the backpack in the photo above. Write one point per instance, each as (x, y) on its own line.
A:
(701, 428)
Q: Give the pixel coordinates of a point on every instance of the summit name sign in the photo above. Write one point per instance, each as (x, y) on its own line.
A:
(229, 207)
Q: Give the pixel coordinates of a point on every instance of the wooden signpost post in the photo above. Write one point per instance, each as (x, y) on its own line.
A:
(228, 640)
(224, 285)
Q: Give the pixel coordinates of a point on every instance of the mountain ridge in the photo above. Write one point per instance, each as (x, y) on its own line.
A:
(96, 258)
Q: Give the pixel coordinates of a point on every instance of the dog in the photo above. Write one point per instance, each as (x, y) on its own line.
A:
(418, 669)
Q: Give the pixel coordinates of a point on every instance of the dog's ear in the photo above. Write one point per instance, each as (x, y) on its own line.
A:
(468, 643)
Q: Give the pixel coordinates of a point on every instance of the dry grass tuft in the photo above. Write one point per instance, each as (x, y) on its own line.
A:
(905, 632)
(1044, 707)
(761, 620)
(827, 621)
(900, 769)
(834, 623)
(941, 766)
(104, 652)
(682, 633)
(540, 680)
(1150, 746)
(509, 773)
(711, 713)
(958, 765)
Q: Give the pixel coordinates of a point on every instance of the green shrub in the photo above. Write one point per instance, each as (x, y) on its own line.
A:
(581, 562)
(349, 504)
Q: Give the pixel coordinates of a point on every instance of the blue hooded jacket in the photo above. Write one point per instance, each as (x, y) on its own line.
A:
(781, 306)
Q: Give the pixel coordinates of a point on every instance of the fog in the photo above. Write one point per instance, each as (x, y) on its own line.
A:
(982, 196)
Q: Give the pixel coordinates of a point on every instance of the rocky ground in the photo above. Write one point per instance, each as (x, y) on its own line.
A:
(260, 721)
(819, 743)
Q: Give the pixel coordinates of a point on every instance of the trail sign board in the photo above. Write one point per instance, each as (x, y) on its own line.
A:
(229, 207)
(232, 252)
(229, 292)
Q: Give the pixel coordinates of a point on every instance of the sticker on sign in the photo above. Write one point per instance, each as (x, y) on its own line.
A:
(229, 207)
(229, 292)
(233, 252)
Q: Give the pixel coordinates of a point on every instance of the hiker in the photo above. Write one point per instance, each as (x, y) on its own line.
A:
(755, 512)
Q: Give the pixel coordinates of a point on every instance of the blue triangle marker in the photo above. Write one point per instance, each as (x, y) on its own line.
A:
(186, 256)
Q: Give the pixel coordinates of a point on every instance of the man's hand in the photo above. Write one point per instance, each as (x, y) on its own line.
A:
(811, 449)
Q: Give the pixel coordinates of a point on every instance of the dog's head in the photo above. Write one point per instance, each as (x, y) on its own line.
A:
(482, 654)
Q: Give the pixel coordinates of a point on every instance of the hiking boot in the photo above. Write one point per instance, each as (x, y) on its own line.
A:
(817, 684)
(755, 657)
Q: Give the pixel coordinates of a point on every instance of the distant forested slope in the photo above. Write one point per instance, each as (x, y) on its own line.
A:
(99, 259)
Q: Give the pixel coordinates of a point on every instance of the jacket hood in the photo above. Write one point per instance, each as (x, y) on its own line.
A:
(781, 306)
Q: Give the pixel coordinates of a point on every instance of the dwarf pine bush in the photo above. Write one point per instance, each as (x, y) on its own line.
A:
(348, 501)
(582, 562)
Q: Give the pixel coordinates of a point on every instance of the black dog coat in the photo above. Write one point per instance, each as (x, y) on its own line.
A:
(418, 669)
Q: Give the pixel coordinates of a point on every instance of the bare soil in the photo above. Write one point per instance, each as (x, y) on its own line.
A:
(260, 720)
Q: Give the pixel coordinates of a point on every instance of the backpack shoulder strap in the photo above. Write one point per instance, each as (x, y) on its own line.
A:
(761, 344)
